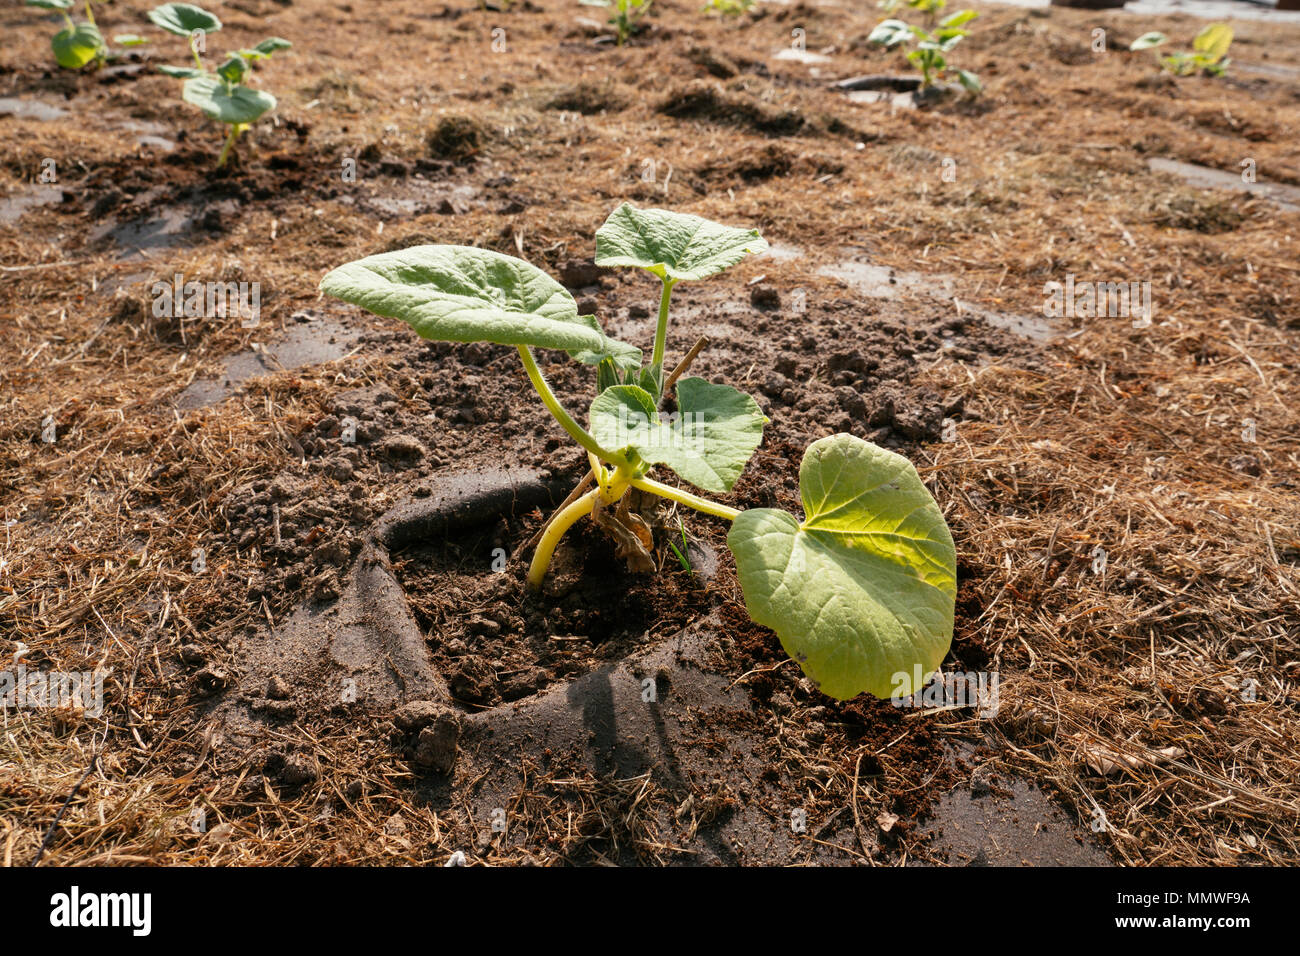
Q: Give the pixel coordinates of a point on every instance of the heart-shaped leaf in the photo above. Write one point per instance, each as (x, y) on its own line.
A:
(236, 105)
(74, 47)
(861, 593)
(465, 294)
(672, 244)
(183, 19)
(707, 442)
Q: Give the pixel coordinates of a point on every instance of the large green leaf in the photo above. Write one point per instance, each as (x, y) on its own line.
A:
(74, 47)
(183, 19)
(465, 294)
(672, 244)
(861, 593)
(708, 442)
(229, 104)
(1213, 41)
(51, 4)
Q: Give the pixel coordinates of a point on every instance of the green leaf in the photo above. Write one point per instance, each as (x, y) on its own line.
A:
(611, 350)
(707, 442)
(181, 72)
(1147, 40)
(672, 244)
(890, 33)
(652, 380)
(234, 69)
(1214, 41)
(183, 19)
(234, 105)
(465, 294)
(271, 45)
(130, 39)
(861, 593)
(606, 375)
(264, 49)
(74, 47)
(51, 4)
(969, 80)
(959, 18)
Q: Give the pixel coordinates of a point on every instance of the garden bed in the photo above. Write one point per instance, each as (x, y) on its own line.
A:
(895, 305)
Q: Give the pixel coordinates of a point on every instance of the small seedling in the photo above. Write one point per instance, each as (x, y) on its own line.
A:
(860, 590)
(624, 14)
(221, 95)
(931, 48)
(682, 554)
(728, 8)
(1209, 51)
(78, 43)
(931, 8)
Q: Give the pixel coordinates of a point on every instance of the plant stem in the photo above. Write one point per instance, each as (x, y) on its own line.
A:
(579, 434)
(661, 330)
(561, 523)
(685, 498)
(89, 15)
(230, 141)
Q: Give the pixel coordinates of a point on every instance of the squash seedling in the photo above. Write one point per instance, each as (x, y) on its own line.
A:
(931, 8)
(625, 15)
(77, 43)
(1209, 51)
(930, 55)
(221, 95)
(860, 590)
(728, 8)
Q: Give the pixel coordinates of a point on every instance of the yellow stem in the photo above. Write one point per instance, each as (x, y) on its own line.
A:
(578, 433)
(565, 520)
(685, 498)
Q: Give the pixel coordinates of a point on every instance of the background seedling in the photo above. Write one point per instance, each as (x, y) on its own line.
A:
(1209, 51)
(930, 55)
(78, 43)
(729, 8)
(221, 95)
(624, 14)
(859, 591)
